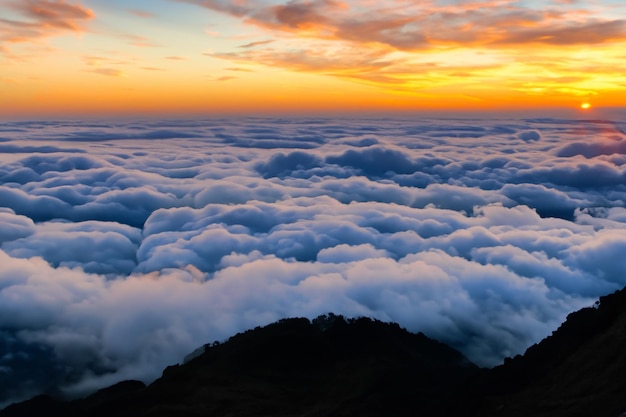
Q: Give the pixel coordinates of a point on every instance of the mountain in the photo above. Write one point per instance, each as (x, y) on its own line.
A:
(331, 366)
(361, 367)
(580, 370)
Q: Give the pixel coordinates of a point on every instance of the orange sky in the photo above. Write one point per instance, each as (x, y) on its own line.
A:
(94, 57)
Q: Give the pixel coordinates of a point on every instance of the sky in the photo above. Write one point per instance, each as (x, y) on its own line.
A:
(126, 245)
(70, 58)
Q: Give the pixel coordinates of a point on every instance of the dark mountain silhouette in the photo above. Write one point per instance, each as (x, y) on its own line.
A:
(580, 370)
(362, 367)
(331, 366)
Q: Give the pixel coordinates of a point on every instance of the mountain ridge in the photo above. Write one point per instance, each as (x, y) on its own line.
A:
(333, 366)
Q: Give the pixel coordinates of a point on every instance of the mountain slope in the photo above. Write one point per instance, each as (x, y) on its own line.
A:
(337, 367)
(331, 367)
(580, 370)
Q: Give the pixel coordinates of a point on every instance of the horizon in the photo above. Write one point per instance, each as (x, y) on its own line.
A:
(594, 114)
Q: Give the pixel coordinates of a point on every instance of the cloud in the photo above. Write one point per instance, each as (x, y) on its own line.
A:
(226, 78)
(119, 257)
(54, 13)
(141, 41)
(327, 58)
(43, 18)
(530, 135)
(141, 13)
(411, 26)
(569, 34)
(425, 46)
(600, 257)
(236, 9)
(345, 253)
(375, 161)
(109, 72)
(281, 164)
(593, 149)
(14, 227)
(548, 202)
(257, 43)
(596, 173)
(112, 247)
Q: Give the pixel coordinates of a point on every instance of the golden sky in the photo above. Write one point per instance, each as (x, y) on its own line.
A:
(185, 57)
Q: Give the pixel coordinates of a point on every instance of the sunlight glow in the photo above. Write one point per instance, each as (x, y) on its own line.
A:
(169, 56)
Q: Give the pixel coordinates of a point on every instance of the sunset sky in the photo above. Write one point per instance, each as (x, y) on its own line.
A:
(182, 57)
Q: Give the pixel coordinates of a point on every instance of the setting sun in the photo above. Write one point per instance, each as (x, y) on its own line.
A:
(585, 106)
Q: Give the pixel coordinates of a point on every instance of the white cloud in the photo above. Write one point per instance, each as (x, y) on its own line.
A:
(122, 256)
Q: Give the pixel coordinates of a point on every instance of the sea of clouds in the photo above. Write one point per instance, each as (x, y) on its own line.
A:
(125, 245)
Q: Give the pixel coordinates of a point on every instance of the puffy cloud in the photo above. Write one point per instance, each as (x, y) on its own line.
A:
(347, 253)
(375, 161)
(281, 164)
(119, 257)
(600, 256)
(593, 149)
(529, 136)
(587, 175)
(14, 227)
(456, 198)
(111, 247)
(548, 202)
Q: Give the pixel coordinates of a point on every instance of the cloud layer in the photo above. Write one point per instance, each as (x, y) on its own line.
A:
(126, 245)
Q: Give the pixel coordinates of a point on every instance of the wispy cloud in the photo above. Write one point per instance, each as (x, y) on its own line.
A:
(142, 41)
(385, 41)
(141, 13)
(239, 69)
(414, 26)
(253, 44)
(569, 33)
(373, 66)
(220, 78)
(109, 72)
(104, 66)
(42, 18)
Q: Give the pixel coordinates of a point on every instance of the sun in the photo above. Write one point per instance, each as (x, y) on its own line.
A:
(585, 106)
